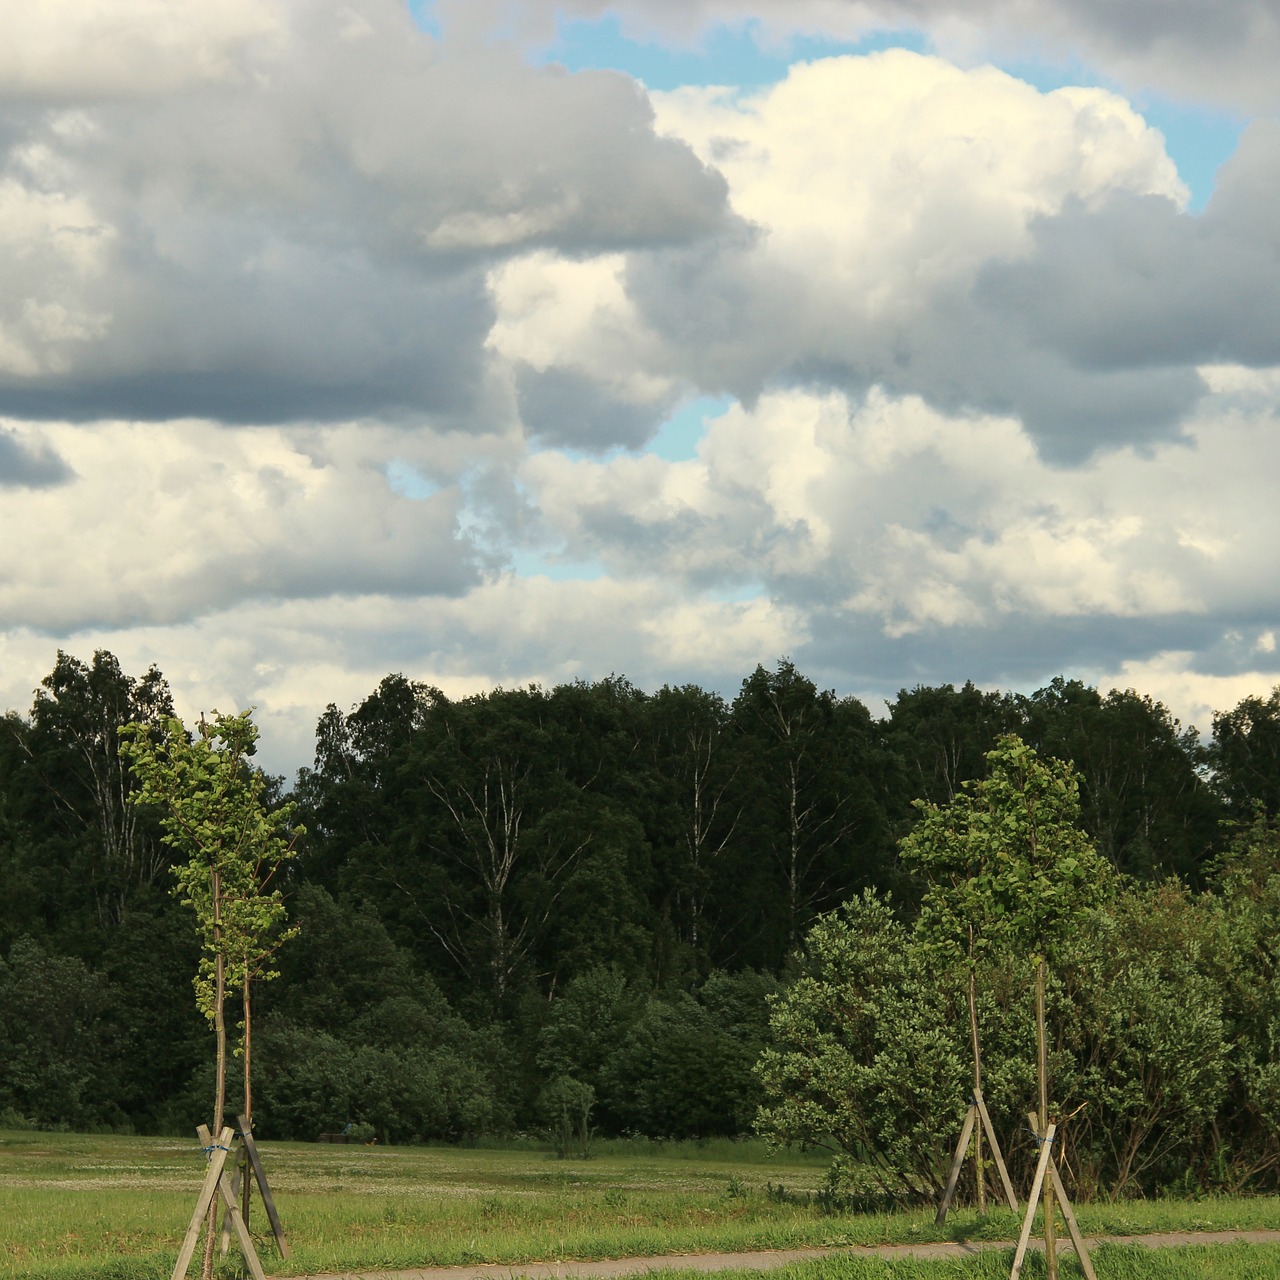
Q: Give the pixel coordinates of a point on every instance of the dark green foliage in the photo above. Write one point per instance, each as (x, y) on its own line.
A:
(397, 1056)
(942, 735)
(599, 883)
(79, 784)
(599, 915)
(672, 1065)
(586, 1024)
(1143, 1041)
(1144, 801)
(342, 964)
(809, 791)
(1244, 959)
(565, 1107)
(680, 1073)
(1245, 756)
(311, 1083)
(150, 1015)
(57, 1063)
(694, 817)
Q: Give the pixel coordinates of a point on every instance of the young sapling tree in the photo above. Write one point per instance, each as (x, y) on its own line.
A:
(1040, 877)
(229, 845)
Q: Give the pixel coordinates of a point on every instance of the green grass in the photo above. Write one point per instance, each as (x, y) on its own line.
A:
(75, 1207)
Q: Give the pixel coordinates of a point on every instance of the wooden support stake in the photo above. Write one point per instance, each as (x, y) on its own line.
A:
(232, 1217)
(224, 1240)
(208, 1189)
(232, 1211)
(977, 1110)
(1046, 1153)
(957, 1164)
(1010, 1198)
(255, 1163)
(1073, 1227)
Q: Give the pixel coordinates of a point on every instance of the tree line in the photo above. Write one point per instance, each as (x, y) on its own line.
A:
(500, 893)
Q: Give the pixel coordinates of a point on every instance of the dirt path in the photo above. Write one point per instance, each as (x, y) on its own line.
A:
(608, 1268)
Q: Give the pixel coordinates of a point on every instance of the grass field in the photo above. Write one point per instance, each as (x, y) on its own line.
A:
(74, 1206)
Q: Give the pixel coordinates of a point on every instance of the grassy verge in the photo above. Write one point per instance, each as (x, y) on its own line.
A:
(1217, 1262)
(88, 1208)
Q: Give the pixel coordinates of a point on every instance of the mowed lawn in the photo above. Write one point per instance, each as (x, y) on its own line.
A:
(104, 1206)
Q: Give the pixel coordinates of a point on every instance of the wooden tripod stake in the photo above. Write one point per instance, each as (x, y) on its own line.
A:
(250, 1163)
(977, 1112)
(1047, 1166)
(217, 1183)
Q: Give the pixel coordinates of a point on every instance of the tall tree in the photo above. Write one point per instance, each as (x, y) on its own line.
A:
(692, 755)
(942, 735)
(455, 818)
(1019, 829)
(230, 846)
(1143, 796)
(489, 766)
(809, 792)
(1245, 756)
(72, 748)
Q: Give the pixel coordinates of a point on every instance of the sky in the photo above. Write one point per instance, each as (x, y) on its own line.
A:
(502, 341)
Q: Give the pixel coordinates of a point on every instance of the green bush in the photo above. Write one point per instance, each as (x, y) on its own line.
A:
(870, 1055)
(311, 1083)
(864, 1058)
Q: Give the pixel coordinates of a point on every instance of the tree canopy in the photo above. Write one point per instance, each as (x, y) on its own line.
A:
(601, 884)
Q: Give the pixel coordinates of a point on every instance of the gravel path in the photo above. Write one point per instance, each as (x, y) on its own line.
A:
(608, 1268)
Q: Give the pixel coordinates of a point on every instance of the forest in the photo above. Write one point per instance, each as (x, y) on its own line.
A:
(505, 897)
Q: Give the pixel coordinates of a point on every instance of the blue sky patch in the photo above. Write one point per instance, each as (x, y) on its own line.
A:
(725, 55)
(423, 13)
(1198, 140)
(678, 438)
(408, 481)
(529, 563)
(740, 594)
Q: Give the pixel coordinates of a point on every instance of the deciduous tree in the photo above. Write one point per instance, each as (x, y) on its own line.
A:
(229, 846)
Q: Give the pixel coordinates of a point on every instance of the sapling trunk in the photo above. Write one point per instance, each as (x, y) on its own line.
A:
(1042, 1070)
(977, 1079)
(220, 1070)
(246, 1182)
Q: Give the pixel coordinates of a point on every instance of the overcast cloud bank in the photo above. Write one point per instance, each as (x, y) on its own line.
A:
(330, 346)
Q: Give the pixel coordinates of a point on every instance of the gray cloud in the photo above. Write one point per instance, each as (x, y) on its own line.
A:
(989, 364)
(322, 214)
(315, 339)
(567, 408)
(1137, 285)
(309, 237)
(23, 466)
(1019, 652)
(1014, 345)
(311, 242)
